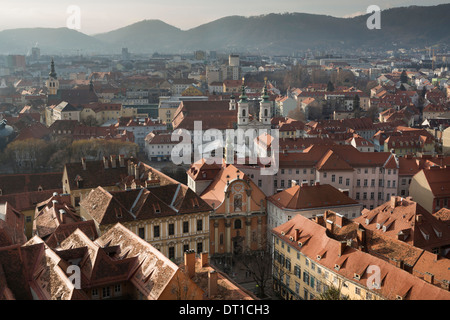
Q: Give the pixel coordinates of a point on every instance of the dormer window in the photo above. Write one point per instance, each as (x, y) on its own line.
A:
(40, 188)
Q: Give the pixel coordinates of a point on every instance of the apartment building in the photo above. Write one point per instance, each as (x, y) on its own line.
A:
(368, 177)
(312, 256)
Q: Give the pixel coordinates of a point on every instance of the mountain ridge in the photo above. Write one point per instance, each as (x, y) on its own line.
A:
(269, 33)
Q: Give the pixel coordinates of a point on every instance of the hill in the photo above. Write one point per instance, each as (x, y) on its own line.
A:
(405, 27)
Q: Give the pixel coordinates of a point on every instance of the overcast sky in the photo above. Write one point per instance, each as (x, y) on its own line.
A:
(98, 16)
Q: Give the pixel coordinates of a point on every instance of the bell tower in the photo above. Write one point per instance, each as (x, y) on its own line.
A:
(243, 106)
(52, 83)
(265, 115)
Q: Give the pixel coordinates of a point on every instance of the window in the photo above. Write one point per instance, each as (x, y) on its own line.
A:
(297, 271)
(171, 229)
(297, 287)
(282, 171)
(106, 292)
(372, 195)
(171, 252)
(185, 226)
(357, 196)
(156, 231)
(372, 183)
(347, 182)
(333, 178)
(306, 277)
(237, 224)
(117, 289)
(259, 183)
(365, 182)
(340, 180)
(365, 196)
(312, 282)
(94, 293)
(282, 183)
(324, 174)
(185, 247)
(199, 225)
(28, 219)
(142, 232)
(358, 291)
(358, 183)
(288, 264)
(199, 247)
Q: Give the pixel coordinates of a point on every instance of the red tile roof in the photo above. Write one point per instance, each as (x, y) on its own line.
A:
(308, 197)
(395, 282)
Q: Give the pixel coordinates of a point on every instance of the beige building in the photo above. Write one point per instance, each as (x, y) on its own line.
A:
(309, 201)
(312, 256)
(430, 188)
(172, 218)
(446, 141)
(103, 112)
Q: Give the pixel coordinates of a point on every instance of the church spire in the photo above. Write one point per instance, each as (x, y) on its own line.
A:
(52, 73)
(243, 96)
(264, 94)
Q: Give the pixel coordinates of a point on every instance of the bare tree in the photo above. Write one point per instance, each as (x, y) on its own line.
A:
(258, 264)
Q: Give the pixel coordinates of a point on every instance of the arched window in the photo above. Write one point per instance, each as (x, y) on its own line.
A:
(237, 224)
(243, 112)
(266, 112)
(237, 202)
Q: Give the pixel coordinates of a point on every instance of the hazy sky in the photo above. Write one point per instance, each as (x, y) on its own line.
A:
(98, 16)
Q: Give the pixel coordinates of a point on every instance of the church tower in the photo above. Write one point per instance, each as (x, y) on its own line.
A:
(232, 102)
(243, 107)
(52, 83)
(265, 115)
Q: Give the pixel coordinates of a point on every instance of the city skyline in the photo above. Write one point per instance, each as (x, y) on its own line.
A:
(95, 19)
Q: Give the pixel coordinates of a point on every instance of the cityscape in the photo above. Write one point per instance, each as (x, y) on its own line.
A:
(265, 157)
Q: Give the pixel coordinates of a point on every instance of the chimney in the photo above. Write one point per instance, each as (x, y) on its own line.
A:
(341, 248)
(329, 224)
(113, 161)
(419, 219)
(428, 277)
(204, 259)
(130, 168)
(136, 171)
(339, 220)
(62, 213)
(361, 236)
(393, 201)
(319, 219)
(83, 163)
(189, 262)
(122, 160)
(317, 183)
(105, 162)
(296, 235)
(212, 283)
(397, 263)
(304, 184)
